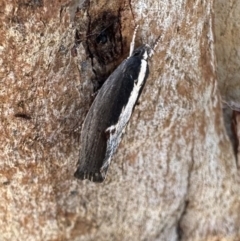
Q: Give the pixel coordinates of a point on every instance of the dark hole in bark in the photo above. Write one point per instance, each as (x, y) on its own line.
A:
(101, 37)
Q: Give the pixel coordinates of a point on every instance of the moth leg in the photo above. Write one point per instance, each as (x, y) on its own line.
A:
(110, 131)
(133, 41)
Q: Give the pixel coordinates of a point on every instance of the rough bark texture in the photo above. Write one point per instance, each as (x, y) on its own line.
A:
(174, 176)
(227, 22)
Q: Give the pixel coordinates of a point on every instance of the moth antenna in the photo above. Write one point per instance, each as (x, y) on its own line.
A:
(133, 41)
(155, 45)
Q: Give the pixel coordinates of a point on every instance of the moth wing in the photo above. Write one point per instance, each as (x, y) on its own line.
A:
(97, 127)
(103, 115)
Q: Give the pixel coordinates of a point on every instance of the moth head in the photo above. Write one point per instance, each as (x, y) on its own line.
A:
(143, 52)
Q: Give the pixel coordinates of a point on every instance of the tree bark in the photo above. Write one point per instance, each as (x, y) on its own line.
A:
(174, 176)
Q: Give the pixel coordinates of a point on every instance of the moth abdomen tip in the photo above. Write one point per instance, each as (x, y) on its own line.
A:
(91, 176)
(79, 174)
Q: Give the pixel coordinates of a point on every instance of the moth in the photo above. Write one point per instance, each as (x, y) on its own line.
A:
(110, 112)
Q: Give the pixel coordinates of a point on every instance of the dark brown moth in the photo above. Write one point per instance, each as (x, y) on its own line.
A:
(110, 112)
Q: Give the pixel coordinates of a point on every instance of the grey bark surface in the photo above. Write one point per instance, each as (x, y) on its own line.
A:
(174, 176)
